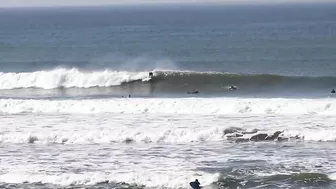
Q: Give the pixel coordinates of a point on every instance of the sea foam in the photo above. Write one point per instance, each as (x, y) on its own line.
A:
(207, 106)
(68, 78)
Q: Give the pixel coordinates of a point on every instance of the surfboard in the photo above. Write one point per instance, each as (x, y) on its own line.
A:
(147, 79)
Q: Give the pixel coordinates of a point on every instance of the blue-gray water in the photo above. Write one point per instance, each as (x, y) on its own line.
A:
(287, 40)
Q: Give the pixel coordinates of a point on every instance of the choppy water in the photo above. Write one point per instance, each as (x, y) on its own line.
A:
(67, 121)
(164, 150)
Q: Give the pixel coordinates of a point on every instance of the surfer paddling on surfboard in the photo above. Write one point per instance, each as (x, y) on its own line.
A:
(194, 92)
(232, 88)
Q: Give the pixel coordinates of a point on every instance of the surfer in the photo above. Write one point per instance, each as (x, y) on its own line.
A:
(194, 92)
(232, 88)
(150, 74)
(333, 91)
(195, 184)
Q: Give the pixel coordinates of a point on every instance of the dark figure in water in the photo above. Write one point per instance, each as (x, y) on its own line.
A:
(195, 184)
(150, 74)
(333, 91)
(232, 88)
(195, 92)
(129, 96)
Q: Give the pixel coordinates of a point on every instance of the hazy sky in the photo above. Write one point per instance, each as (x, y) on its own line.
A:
(33, 3)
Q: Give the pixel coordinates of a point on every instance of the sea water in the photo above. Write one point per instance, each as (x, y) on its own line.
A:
(78, 111)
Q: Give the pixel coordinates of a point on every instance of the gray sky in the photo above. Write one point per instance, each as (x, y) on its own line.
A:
(38, 3)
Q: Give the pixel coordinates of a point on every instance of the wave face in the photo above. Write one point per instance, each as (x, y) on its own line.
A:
(109, 82)
(246, 83)
(68, 78)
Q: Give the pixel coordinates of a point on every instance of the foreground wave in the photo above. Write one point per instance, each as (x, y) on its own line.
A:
(166, 136)
(127, 181)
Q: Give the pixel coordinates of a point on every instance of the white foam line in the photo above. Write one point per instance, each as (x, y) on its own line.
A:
(207, 106)
(175, 179)
(67, 78)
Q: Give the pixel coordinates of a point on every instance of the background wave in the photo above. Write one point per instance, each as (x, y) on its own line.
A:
(169, 80)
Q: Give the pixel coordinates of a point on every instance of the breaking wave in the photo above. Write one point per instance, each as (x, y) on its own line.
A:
(67, 78)
(173, 81)
(130, 136)
(160, 180)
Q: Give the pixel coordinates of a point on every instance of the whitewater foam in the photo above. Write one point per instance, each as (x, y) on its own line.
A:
(151, 135)
(149, 179)
(217, 106)
(68, 78)
(149, 129)
(154, 150)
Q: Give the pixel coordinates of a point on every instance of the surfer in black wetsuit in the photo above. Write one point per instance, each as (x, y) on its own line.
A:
(333, 91)
(150, 74)
(195, 184)
(232, 88)
(194, 92)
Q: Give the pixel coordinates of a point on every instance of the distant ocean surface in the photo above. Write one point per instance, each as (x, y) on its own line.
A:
(78, 109)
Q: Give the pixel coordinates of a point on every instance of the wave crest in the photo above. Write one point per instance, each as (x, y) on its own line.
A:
(67, 78)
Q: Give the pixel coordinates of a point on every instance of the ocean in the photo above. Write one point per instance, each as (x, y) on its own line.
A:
(79, 110)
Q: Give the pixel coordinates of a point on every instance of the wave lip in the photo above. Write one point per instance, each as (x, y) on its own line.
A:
(67, 78)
